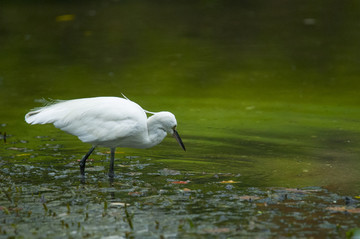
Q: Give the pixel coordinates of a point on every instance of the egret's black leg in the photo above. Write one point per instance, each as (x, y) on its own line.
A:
(83, 160)
(111, 169)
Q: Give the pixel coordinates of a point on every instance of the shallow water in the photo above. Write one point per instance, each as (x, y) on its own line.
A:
(266, 97)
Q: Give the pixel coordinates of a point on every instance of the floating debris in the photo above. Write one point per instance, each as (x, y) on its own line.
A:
(229, 181)
(119, 204)
(181, 182)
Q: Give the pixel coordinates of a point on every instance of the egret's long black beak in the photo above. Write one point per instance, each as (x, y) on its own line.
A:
(178, 139)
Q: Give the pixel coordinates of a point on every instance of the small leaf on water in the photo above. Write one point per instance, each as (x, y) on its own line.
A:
(181, 182)
(229, 181)
(20, 155)
(135, 194)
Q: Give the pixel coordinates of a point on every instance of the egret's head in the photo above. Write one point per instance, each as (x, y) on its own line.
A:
(168, 123)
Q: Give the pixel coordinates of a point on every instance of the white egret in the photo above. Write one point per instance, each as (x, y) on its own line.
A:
(107, 121)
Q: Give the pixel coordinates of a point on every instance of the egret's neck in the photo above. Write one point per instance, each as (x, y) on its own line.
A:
(155, 131)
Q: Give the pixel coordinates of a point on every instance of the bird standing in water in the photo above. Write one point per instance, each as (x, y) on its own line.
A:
(109, 122)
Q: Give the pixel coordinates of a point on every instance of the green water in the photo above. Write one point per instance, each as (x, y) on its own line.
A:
(265, 95)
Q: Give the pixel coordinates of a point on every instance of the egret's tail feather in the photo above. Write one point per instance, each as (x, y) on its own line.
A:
(30, 117)
(43, 115)
(36, 117)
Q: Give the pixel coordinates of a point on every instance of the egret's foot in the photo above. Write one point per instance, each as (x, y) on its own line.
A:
(112, 159)
(83, 161)
(82, 171)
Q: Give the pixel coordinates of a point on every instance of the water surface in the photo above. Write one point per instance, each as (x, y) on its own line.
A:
(265, 94)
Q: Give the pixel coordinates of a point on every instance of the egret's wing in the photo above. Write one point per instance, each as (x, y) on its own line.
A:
(93, 120)
(108, 121)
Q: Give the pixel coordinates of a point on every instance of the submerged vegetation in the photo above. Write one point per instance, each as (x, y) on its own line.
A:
(144, 201)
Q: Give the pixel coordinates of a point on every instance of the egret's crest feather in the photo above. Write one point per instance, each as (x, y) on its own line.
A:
(146, 111)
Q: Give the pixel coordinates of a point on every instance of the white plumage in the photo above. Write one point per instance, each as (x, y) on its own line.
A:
(107, 121)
